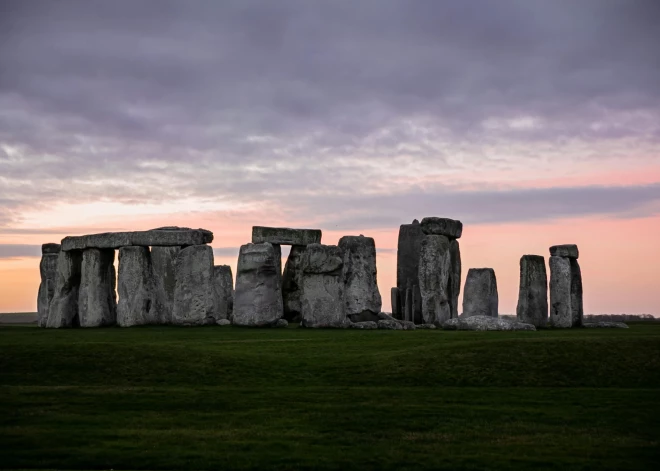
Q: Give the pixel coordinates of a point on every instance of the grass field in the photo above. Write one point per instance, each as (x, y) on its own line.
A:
(230, 398)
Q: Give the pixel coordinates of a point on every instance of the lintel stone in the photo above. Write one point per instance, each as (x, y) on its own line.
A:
(164, 236)
(285, 235)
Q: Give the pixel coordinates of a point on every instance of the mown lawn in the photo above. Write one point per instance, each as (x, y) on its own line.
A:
(230, 398)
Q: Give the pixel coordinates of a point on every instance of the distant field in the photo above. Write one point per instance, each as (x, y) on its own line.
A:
(230, 398)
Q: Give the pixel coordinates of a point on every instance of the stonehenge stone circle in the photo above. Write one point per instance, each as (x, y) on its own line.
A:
(407, 268)
(169, 236)
(480, 294)
(533, 292)
(194, 301)
(258, 298)
(97, 299)
(442, 226)
(485, 323)
(163, 264)
(135, 285)
(63, 308)
(566, 308)
(48, 274)
(292, 284)
(434, 269)
(322, 298)
(223, 289)
(362, 301)
(567, 250)
(285, 235)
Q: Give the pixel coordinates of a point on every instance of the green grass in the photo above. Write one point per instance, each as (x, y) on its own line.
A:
(229, 398)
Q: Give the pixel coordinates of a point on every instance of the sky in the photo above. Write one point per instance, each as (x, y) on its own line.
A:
(534, 122)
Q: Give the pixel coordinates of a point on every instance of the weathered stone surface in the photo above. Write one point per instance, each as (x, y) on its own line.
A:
(566, 250)
(258, 295)
(426, 326)
(97, 298)
(407, 266)
(164, 236)
(223, 322)
(407, 325)
(408, 305)
(366, 325)
(484, 323)
(396, 303)
(390, 325)
(480, 296)
(561, 312)
(194, 300)
(454, 276)
(50, 248)
(135, 286)
(223, 287)
(434, 269)
(533, 292)
(442, 226)
(605, 325)
(48, 272)
(63, 308)
(362, 301)
(322, 287)
(163, 264)
(280, 324)
(292, 284)
(285, 235)
(577, 310)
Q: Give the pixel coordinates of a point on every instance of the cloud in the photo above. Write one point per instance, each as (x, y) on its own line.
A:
(8, 251)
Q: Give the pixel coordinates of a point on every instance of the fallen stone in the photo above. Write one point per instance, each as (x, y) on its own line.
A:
(223, 286)
(97, 298)
(390, 325)
(285, 235)
(50, 248)
(291, 284)
(484, 323)
(223, 322)
(280, 324)
(163, 263)
(434, 269)
(322, 287)
(454, 276)
(362, 301)
(63, 308)
(48, 272)
(605, 325)
(194, 300)
(135, 286)
(442, 226)
(165, 236)
(533, 292)
(366, 325)
(258, 295)
(407, 325)
(561, 312)
(480, 296)
(407, 266)
(566, 250)
(426, 326)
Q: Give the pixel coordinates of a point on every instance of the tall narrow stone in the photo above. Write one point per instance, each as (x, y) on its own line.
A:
(409, 309)
(407, 263)
(63, 308)
(362, 301)
(480, 295)
(561, 311)
(193, 291)
(135, 285)
(434, 270)
(291, 284)
(223, 287)
(576, 294)
(163, 263)
(533, 293)
(97, 298)
(396, 303)
(258, 296)
(454, 276)
(322, 287)
(48, 272)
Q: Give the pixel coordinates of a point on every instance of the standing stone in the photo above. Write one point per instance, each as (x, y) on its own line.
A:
(135, 285)
(407, 264)
(533, 293)
(63, 308)
(322, 287)
(193, 291)
(434, 270)
(454, 277)
(97, 298)
(576, 293)
(258, 297)
(48, 272)
(163, 263)
(362, 301)
(396, 303)
(223, 286)
(561, 311)
(292, 284)
(408, 310)
(480, 296)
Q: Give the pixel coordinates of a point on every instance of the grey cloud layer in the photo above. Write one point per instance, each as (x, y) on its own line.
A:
(248, 101)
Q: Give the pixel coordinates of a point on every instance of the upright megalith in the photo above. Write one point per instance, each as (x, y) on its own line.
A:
(48, 273)
(434, 280)
(163, 265)
(362, 300)
(533, 292)
(292, 284)
(285, 235)
(407, 267)
(454, 276)
(135, 285)
(395, 299)
(63, 308)
(193, 291)
(566, 309)
(223, 288)
(258, 296)
(322, 287)
(97, 298)
(480, 294)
